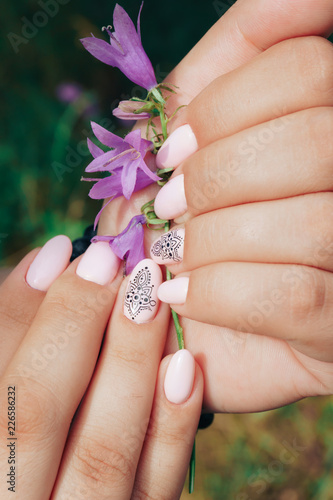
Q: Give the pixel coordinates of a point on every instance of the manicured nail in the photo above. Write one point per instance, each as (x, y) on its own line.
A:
(179, 145)
(179, 378)
(141, 302)
(169, 248)
(98, 264)
(174, 291)
(49, 263)
(170, 201)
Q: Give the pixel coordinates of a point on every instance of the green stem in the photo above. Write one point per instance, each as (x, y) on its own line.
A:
(163, 123)
(179, 330)
(192, 470)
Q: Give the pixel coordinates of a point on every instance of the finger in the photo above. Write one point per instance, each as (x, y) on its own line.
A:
(245, 30)
(289, 302)
(289, 156)
(105, 443)
(294, 75)
(257, 232)
(230, 43)
(53, 366)
(172, 427)
(19, 302)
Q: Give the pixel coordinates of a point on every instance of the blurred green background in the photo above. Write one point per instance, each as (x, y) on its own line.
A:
(285, 454)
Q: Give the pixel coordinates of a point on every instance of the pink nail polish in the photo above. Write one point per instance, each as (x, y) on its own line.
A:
(98, 264)
(179, 145)
(170, 201)
(141, 302)
(179, 378)
(169, 248)
(174, 291)
(49, 263)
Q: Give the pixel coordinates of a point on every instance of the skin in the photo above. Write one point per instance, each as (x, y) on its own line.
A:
(258, 247)
(124, 427)
(283, 358)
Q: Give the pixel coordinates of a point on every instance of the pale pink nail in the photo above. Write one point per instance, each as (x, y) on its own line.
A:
(174, 291)
(141, 302)
(179, 378)
(179, 145)
(170, 201)
(169, 248)
(98, 264)
(49, 263)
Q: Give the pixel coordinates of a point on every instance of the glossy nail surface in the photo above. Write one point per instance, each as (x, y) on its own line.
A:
(170, 201)
(174, 291)
(179, 145)
(98, 264)
(141, 302)
(49, 263)
(169, 248)
(179, 378)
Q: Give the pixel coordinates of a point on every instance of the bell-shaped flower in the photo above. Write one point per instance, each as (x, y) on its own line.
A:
(125, 49)
(128, 245)
(133, 110)
(125, 162)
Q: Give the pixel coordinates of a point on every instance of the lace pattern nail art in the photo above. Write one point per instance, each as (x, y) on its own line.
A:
(139, 293)
(169, 247)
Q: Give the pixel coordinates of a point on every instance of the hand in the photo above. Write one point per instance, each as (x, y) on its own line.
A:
(127, 439)
(252, 372)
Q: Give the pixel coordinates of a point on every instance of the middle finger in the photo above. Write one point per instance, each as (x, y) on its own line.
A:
(295, 230)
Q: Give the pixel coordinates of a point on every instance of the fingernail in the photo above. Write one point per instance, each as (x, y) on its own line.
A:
(98, 264)
(179, 378)
(169, 248)
(50, 263)
(174, 291)
(179, 145)
(141, 302)
(170, 201)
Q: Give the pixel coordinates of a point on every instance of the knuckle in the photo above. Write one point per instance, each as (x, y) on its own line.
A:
(167, 434)
(141, 491)
(38, 414)
(101, 464)
(307, 298)
(69, 306)
(314, 58)
(319, 131)
(319, 224)
(135, 358)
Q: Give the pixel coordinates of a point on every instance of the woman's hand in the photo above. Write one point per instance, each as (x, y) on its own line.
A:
(261, 125)
(131, 437)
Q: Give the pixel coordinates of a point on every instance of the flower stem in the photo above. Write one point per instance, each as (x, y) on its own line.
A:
(192, 471)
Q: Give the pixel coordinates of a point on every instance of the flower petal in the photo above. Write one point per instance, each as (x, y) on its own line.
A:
(106, 137)
(101, 49)
(128, 177)
(123, 115)
(100, 164)
(94, 150)
(107, 187)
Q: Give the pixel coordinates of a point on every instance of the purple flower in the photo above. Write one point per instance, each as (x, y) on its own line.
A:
(125, 162)
(68, 92)
(129, 243)
(128, 110)
(125, 49)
